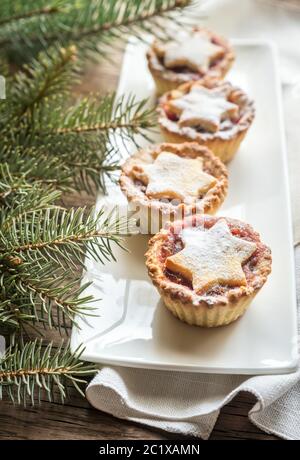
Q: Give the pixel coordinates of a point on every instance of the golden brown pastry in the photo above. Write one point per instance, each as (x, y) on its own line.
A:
(196, 55)
(217, 116)
(208, 269)
(171, 181)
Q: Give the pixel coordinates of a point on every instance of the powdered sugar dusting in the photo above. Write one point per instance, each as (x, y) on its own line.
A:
(211, 257)
(195, 51)
(203, 107)
(174, 177)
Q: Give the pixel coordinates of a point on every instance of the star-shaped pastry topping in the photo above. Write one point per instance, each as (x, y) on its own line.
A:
(203, 107)
(173, 177)
(195, 51)
(211, 257)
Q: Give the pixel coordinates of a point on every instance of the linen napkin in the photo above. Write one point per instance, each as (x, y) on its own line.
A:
(188, 403)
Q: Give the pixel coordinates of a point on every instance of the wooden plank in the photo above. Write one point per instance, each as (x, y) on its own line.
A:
(79, 421)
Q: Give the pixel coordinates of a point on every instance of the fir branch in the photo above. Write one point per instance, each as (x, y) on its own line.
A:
(28, 204)
(14, 315)
(107, 114)
(51, 74)
(63, 236)
(42, 142)
(98, 167)
(41, 164)
(18, 197)
(30, 14)
(89, 23)
(48, 295)
(117, 18)
(53, 138)
(98, 115)
(29, 372)
(91, 126)
(57, 161)
(19, 18)
(9, 183)
(22, 10)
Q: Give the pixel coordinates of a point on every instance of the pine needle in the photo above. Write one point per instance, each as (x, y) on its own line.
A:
(50, 143)
(29, 372)
(92, 25)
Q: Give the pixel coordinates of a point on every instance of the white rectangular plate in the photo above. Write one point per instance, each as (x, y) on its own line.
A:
(133, 327)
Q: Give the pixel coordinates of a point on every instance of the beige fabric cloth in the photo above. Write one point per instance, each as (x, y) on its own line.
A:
(190, 403)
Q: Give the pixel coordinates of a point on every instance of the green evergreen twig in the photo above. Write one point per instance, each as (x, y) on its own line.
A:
(89, 24)
(53, 141)
(29, 372)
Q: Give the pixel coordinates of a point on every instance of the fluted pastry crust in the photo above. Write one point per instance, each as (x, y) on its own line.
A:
(224, 143)
(210, 309)
(163, 210)
(167, 79)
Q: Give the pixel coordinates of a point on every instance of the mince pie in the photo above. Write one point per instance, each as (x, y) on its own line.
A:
(196, 55)
(166, 182)
(208, 269)
(216, 115)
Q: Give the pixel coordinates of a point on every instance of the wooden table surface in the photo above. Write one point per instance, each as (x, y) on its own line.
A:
(76, 419)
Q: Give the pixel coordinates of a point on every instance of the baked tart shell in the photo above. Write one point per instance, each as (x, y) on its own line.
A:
(154, 214)
(197, 310)
(223, 146)
(166, 79)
